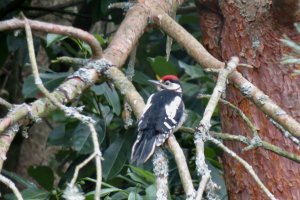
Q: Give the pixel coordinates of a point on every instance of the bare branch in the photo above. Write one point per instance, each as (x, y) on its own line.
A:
(70, 60)
(245, 164)
(12, 186)
(265, 104)
(68, 111)
(80, 166)
(98, 156)
(202, 130)
(239, 111)
(268, 146)
(58, 29)
(204, 180)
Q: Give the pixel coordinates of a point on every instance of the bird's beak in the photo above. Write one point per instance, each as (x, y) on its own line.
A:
(155, 82)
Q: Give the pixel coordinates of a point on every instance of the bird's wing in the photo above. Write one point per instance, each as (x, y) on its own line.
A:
(168, 122)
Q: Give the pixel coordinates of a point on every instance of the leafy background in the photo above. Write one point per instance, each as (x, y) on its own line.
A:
(105, 104)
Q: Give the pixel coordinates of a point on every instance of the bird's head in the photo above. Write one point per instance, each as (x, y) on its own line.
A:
(168, 82)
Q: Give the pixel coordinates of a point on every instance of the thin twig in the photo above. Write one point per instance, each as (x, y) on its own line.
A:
(245, 164)
(273, 148)
(97, 160)
(58, 29)
(239, 111)
(240, 138)
(79, 167)
(72, 112)
(12, 186)
(245, 65)
(71, 60)
(68, 111)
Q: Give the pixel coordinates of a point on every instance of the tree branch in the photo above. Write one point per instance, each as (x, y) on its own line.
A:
(202, 130)
(245, 164)
(68, 111)
(58, 29)
(182, 166)
(268, 146)
(161, 171)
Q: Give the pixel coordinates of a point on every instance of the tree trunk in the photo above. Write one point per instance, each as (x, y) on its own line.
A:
(251, 30)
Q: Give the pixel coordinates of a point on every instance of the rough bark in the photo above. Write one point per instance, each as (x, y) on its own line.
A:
(251, 30)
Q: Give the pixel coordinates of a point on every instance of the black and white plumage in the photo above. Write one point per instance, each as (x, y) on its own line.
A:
(162, 116)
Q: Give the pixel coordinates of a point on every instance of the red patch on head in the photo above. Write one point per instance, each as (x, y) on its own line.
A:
(169, 77)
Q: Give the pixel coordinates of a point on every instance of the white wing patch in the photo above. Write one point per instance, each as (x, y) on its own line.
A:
(172, 108)
(167, 125)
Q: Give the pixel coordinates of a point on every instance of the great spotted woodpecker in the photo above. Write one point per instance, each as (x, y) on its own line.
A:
(163, 115)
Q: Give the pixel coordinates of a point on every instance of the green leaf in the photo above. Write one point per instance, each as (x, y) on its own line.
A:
(190, 89)
(218, 178)
(43, 175)
(57, 136)
(134, 196)
(191, 70)
(50, 81)
(148, 176)
(151, 192)
(101, 39)
(52, 37)
(81, 137)
(110, 94)
(116, 155)
(138, 179)
(141, 78)
(106, 113)
(76, 135)
(104, 192)
(193, 118)
(161, 66)
(30, 194)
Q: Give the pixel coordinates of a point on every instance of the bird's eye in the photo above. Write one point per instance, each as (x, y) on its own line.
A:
(167, 82)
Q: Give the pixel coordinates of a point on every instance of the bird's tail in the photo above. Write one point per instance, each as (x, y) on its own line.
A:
(143, 147)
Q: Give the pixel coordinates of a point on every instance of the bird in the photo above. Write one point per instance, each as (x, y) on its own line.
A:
(163, 114)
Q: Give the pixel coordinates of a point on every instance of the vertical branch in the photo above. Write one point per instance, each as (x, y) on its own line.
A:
(97, 160)
(202, 131)
(161, 171)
